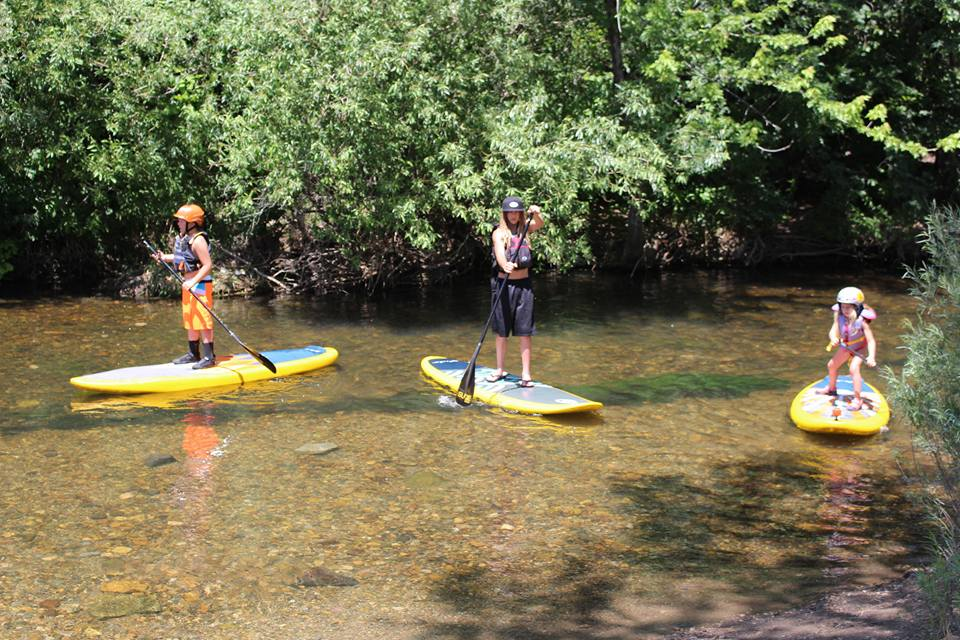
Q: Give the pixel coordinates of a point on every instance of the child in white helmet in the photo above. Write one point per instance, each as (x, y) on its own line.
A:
(851, 332)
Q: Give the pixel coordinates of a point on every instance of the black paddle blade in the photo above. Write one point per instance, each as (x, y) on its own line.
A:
(262, 359)
(467, 383)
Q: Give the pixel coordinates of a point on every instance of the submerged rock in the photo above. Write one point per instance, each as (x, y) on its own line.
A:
(159, 459)
(320, 577)
(318, 448)
(117, 606)
(424, 479)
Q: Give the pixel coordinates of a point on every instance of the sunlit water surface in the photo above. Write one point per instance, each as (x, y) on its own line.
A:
(690, 497)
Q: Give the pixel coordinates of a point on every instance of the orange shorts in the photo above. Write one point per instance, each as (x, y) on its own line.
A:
(194, 315)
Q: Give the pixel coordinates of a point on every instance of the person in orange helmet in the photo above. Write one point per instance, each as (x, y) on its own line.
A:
(191, 257)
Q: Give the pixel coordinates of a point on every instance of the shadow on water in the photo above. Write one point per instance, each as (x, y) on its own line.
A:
(571, 299)
(268, 398)
(97, 411)
(752, 534)
(672, 386)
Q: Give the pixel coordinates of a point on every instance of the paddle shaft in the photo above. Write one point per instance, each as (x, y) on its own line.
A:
(842, 346)
(468, 382)
(262, 359)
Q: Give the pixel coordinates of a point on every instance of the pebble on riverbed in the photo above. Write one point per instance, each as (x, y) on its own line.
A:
(123, 586)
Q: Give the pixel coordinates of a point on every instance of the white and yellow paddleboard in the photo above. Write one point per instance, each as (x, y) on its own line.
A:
(812, 411)
(229, 370)
(506, 393)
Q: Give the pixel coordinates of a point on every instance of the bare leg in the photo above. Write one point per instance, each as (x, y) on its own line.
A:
(833, 370)
(501, 354)
(526, 342)
(193, 334)
(206, 333)
(857, 381)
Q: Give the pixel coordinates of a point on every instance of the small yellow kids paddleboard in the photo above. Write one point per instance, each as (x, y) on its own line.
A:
(821, 413)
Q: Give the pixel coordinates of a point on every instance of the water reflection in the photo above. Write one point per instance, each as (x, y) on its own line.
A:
(195, 488)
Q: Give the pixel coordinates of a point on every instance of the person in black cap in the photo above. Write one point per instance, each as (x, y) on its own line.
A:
(512, 260)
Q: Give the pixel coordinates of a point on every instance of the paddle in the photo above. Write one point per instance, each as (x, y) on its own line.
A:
(256, 354)
(469, 379)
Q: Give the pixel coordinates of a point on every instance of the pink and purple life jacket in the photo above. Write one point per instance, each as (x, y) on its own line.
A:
(851, 333)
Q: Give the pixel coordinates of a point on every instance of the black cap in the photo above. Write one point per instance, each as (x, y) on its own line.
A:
(513, 203)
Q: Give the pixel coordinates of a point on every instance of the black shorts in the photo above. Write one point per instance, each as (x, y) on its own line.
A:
(514, 313)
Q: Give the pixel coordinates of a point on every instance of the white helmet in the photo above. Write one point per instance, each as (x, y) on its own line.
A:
(850, 295)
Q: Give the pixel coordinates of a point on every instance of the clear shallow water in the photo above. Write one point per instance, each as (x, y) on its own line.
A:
(690, 497)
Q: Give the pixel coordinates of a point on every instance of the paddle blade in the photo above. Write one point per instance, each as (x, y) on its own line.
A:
(467, 384)
(262, 359)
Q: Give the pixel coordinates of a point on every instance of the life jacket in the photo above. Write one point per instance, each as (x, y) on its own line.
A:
(851, 333)
(523, 257)
(184, 259)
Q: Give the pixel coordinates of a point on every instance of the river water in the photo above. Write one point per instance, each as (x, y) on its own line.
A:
(691, 497)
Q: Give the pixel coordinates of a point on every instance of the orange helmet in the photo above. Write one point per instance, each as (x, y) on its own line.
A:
(190, 213)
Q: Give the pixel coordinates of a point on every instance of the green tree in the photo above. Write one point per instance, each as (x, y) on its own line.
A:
(363, 143)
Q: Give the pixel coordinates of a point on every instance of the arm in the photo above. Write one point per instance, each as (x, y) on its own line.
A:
(871, 345)
(500, 252)
(537, 219)
(160, 256)
(202, 249)
(834, 334)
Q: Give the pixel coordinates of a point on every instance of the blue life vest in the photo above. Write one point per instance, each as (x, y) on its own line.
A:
(184, 259)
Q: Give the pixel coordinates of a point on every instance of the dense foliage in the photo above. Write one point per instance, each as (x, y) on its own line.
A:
(343, 142)
(927, 394)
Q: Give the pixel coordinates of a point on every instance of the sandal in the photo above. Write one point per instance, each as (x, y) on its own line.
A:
(526, 383)
(826, 392)
(494, 377)
(855, 405)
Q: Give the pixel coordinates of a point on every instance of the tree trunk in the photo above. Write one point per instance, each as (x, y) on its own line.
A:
(613, 39)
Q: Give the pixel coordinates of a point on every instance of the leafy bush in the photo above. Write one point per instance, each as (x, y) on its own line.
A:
(348, 142)
(927, 394)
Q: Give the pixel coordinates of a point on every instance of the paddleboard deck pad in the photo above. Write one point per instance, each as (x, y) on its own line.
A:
(812, 411)
(506, 393)
(237, 369)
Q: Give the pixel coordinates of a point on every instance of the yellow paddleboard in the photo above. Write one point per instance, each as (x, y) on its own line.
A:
(506, 393)
(229, 370)
(820, 413)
